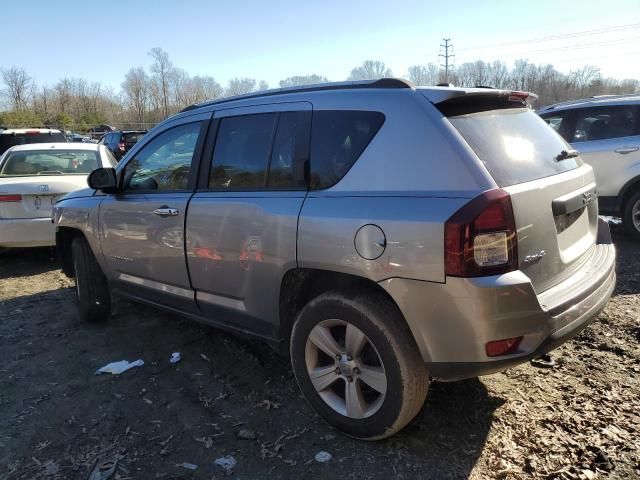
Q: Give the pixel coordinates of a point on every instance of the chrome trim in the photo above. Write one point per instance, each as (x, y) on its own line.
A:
(163, 287)
(221, 301)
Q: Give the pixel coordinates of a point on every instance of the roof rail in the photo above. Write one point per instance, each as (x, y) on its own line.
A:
(379, 83)
(589, 99)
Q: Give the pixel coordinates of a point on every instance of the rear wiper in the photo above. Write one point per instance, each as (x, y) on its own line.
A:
(564, 154)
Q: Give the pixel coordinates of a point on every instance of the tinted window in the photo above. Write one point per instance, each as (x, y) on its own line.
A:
(131, 137)
(52, 162)
(241, 153)
(290, 152)
(515, 145)
(165, 162)
(9, 139)
(603, 123)
(338, 138)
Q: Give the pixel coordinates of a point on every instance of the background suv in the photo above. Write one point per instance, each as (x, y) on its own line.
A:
(606, 131)
(23, 136)
(379, 233)
(119, 142)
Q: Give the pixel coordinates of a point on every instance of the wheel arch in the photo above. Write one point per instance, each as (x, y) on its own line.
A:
(301, 285)
(632, 186)
(64, 239)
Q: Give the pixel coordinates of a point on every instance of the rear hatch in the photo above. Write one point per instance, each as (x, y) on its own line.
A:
(34, 196)
(553, 195)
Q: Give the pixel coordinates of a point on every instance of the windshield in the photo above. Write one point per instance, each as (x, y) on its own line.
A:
(515, 144)
(46, 162)
(9, 140)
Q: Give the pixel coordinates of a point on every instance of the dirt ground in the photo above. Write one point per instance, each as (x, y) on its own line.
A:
(579, 420)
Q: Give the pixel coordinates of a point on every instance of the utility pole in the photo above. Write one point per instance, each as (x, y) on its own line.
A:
(446, 55)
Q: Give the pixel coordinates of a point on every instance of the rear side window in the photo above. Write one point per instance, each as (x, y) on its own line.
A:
(514, 144)
(241, 153)
(604, 122)
(338, 138)
(266, 150)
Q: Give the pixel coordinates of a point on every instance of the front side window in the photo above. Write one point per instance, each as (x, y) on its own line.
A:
(338, 138)
(604, 122)
(164, 164)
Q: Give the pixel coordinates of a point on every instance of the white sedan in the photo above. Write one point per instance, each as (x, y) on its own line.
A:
(32, 178)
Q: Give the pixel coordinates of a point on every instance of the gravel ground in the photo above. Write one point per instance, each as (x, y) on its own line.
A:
(579, 420)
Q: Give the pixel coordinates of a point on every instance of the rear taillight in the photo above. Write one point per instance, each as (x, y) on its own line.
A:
(121, 146)
(502, 347)
(10, 198)
(480, 238)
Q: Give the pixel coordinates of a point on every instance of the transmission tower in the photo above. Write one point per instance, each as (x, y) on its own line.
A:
(448, 47)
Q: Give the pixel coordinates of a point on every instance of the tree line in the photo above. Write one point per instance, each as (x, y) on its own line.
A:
(147, 96)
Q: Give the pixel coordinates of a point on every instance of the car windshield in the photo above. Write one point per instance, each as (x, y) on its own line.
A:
(131, 137)
(47, 162)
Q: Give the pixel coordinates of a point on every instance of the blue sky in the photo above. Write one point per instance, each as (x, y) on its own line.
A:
(277, 39)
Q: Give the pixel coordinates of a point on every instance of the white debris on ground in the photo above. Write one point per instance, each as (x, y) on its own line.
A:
(116, 368)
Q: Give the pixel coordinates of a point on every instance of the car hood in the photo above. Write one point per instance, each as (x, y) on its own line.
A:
(84, 192)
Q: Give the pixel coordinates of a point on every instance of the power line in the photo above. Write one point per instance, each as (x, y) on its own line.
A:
(447, 45)
(598, 31)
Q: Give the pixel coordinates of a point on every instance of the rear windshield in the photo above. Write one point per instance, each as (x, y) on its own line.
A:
(131, 137)
(48, 162)
(8, 140)
(515, 144)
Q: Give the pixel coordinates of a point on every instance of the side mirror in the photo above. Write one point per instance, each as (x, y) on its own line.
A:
(103, 179)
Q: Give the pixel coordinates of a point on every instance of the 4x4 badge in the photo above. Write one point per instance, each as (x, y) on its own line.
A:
(43, 188)
(534, 257)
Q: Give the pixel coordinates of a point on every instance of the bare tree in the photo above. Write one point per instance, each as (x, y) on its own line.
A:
(135, 88)
(263, 85)
(370, 70)
(424, 74)
(161, 68)
(18, 83)
(239, 86)
(302, 80)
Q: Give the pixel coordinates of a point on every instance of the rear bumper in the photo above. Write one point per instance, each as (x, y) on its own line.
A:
(452, 322)
(27, 232)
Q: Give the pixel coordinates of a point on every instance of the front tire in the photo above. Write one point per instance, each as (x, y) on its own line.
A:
(92, 289)
(631, 217)
(358, 365)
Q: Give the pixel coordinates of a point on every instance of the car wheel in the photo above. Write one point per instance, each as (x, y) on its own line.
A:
(631, 218)
(92, 290)
(357, 364)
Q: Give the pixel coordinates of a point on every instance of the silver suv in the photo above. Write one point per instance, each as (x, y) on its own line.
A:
(379, 233)
(606, 131)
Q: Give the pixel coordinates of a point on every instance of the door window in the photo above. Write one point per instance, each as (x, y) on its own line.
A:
(164, 164)
(604, 122)
(242, 151)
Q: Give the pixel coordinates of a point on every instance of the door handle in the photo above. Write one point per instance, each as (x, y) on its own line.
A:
(166, 212)
(625, 150)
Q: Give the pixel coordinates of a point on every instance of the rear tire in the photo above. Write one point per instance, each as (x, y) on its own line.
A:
(631, 216)
(92, 290)
(379, 382)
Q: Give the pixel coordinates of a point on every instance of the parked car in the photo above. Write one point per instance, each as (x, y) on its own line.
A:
(379, 233)
(99, 130)
(121, 141)
(606, 131)
(77, 138)
(32, 178)
(23, 136)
